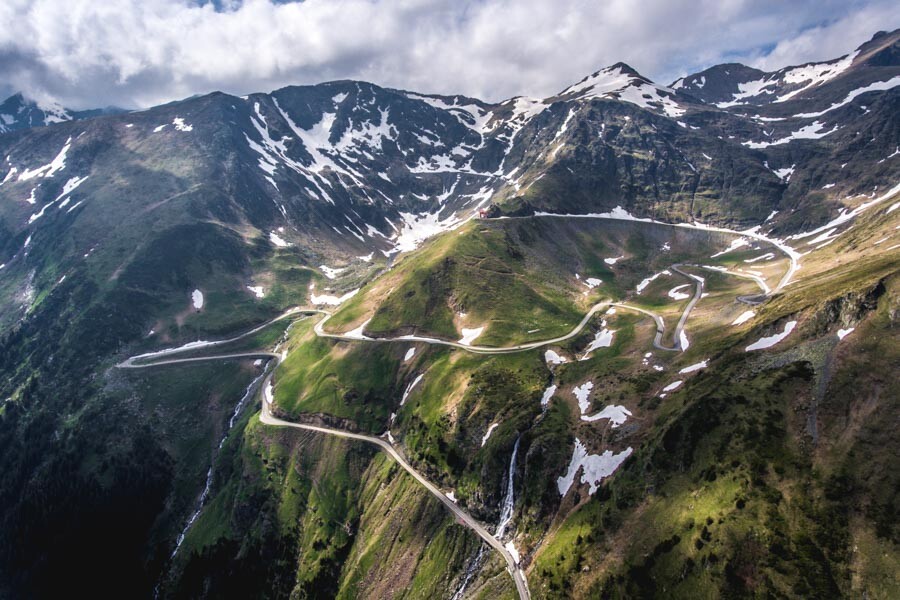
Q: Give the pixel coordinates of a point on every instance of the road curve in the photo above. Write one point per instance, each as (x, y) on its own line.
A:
(267, 418)
(149, 360)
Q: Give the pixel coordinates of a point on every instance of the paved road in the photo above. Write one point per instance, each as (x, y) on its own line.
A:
(151, 360)
(792, 254)
(464, 517)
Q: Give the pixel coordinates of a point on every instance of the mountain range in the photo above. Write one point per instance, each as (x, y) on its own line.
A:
(412, 217)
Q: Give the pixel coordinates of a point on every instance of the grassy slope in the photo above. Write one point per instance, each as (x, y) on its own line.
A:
(516, 277)
(728, 496)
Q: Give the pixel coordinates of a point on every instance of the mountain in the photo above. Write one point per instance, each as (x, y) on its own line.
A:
(18, 112)
(620, 450)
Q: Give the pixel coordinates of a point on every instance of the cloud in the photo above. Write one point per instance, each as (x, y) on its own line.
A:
(143, 52)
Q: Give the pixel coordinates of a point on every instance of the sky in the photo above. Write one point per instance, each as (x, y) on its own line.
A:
(139, 53)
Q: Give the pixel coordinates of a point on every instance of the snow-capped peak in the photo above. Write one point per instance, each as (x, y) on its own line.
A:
(621, 82)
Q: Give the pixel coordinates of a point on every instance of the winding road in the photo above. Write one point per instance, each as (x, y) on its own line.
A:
(162, 357)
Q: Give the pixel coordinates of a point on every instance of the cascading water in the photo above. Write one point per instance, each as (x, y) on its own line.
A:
(509, 501)
(506, 513)
(209, 474)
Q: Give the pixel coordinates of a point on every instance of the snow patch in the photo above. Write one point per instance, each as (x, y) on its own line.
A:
(842, 333)
(469, 335)
(277, 240)
(331, 273)
(695, 367)
(487, 435)
(674, 294)
(581, 393)
(769, 341)
(616, 415)
(596, 467)
(553, 358)
(332, 300)
(197, 299)
(548, 394)
(673, 386)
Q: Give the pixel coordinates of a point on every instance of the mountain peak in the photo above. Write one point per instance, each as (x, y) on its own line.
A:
(21, 112)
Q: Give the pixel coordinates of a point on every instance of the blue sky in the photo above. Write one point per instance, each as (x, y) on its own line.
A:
(137, 53)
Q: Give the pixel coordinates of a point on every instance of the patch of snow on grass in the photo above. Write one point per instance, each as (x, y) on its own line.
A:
(674, 294)
(469, 335)
(409, 354)
(616, 415)
(643, 284)
(769, 341)
(581, 393)
(602, 339)
(673, 386)
(683, 342)
(277, 240)
(332, 300)
(695, 367)
(842, 333)
(197, 299)
(553, 358)
(735, 244)
(784, 174)
(268, 392)
(257, 290)
(329, 272)
(596, 467)
(487, 435)
(418, 228)
(766, 256)
(612, 261)
(548, 394)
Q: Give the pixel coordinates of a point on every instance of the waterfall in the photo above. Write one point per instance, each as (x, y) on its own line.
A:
(509, 501)
(506, 512)
(209, 474)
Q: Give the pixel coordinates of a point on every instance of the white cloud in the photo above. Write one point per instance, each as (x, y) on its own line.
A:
(143, 52)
